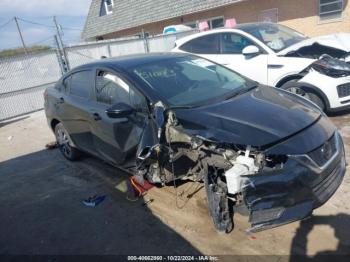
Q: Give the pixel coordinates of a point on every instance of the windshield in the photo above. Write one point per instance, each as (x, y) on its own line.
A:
(190, 81)
(277, 37)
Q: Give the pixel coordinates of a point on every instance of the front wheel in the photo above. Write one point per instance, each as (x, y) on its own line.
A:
(296, 88)
(63, 143)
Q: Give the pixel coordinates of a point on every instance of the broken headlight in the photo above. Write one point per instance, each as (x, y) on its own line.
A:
(332, 67)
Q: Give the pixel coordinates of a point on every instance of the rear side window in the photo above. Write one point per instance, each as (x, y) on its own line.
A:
(208, 44)
(79, 84)
(66, 84)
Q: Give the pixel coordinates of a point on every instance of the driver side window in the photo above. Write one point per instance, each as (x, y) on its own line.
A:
(111, 89)
(234, 43)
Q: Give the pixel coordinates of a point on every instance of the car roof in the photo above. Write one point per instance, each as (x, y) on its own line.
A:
(237, 28)
(125, 62)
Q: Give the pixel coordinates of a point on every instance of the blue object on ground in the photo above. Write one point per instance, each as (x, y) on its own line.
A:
(94, 200)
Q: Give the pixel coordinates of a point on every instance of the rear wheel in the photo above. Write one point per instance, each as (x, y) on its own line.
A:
(63, 143)
(296, 88)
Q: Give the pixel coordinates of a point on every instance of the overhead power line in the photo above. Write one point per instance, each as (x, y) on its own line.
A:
(69, 28)
(50, 26)
(5, 24)
(43, 40)
(35, 23)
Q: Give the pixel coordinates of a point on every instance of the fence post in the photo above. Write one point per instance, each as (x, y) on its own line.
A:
(109, 50)
(145, 41)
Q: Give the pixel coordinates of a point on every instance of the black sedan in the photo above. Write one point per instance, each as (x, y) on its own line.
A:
(265, 152)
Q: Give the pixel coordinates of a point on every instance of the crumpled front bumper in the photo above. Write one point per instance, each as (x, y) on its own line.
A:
(293, 192)
(330, 86)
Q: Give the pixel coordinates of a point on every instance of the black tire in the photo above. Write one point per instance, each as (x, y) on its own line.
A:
(297, 88)
(62, 139)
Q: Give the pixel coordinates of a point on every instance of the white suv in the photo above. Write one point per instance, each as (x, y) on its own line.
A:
(278, 56)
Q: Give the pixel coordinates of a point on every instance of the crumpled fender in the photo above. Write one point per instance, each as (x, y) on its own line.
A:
(151, 136)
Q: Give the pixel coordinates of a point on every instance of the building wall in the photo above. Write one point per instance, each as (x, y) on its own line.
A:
(301, 15)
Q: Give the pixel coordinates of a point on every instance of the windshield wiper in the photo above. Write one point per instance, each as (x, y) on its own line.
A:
(252, 86)
(242, 91)
(181, 107)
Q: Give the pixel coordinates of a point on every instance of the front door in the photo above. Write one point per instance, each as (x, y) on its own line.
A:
(253, 67)
(116, 139)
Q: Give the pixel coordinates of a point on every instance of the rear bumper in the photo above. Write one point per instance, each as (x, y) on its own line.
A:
(292, 195)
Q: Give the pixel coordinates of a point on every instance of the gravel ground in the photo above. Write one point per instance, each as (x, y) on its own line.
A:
(42, 213)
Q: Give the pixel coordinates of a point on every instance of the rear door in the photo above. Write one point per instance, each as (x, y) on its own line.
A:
(75, 108)
(254, 67)
(116, 139)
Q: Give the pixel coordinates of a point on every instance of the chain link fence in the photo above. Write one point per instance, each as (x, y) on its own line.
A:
(24, 78)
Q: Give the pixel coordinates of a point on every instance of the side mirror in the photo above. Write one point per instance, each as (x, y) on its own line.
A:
(250, 50)
(119, 110)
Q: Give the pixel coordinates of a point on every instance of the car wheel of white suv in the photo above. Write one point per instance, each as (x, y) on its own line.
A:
(294, 87)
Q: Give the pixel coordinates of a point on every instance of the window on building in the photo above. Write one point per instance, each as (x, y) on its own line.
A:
(270, 15)
(192, 24)
(216, 22)
(79, 84)
(208, 44)
(142, 35)
(106, 7)
(331, 9)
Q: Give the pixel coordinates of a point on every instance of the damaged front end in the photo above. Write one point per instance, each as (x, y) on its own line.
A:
(329, 66)
(334, 45)
(267, 183)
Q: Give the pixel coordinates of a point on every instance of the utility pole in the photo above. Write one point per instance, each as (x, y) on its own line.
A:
(20, 35)
(61, 44)
(58, 32)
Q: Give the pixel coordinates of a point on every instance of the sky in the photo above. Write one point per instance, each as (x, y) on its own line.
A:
(70, 14)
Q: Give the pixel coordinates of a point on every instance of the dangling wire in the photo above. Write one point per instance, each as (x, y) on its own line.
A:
(174, 182)
(5, 24)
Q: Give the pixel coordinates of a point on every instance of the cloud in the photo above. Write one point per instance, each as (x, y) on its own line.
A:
(44, 7)
(32, 36)
(70, 14)
(36, 34)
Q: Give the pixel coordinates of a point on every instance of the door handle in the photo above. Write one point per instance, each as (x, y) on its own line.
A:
(274, 66)
(60, 100)
(96, 116)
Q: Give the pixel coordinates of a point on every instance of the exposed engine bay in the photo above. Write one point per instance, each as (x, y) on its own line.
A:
(225, 169)
(334, 45)
(316, 51)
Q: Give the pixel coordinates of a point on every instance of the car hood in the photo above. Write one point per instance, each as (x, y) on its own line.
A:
(340, 41)
(260, 117)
